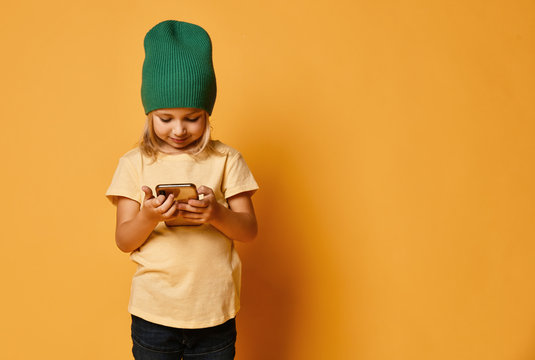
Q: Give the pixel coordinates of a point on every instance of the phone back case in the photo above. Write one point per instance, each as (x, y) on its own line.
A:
(182, 193)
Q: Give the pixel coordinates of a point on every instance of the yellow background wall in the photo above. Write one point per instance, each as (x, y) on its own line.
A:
(393, 143)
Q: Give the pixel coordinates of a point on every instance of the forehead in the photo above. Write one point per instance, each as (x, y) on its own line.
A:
(178, 111)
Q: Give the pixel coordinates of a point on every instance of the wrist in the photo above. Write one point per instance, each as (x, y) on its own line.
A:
(217, 214)
(147, 218)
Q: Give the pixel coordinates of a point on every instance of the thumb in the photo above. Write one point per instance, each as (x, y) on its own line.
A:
(205, 190)
(148, 192)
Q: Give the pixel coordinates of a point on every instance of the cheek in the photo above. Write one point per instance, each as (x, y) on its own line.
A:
(199, 129)
(160, 131)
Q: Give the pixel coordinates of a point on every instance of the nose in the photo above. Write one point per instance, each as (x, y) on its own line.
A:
(179, 129)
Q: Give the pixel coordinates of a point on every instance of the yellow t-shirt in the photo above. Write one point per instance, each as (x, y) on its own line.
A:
(187, 276)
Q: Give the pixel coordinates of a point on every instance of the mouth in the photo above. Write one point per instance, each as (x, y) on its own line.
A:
(179, 140)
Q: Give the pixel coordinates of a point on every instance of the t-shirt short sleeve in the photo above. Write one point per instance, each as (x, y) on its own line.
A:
(125, 182)
(238, 178)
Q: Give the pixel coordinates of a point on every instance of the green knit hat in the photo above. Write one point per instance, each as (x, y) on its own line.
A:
(178, 69)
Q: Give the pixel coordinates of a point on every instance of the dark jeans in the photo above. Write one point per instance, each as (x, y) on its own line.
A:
(158, 342)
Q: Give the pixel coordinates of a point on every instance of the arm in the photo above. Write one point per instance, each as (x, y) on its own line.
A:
(134, 225)
(238, 222)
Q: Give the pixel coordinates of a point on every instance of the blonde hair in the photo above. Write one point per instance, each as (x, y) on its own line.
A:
(150, 147)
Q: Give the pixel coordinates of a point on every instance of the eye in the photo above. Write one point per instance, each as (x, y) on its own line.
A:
(193, 120)
(165, 120)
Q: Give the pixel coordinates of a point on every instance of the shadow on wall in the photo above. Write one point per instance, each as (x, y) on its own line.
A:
(271, 268)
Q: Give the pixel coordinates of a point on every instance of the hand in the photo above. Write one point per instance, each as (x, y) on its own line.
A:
(201, 211)
(158, 208)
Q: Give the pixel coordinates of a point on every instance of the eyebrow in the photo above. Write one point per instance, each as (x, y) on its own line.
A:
(165, 113)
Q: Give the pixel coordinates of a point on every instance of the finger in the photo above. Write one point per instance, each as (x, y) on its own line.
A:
(148, 192)
(165, 205)
(189, 208)
(190, 216)
(198, 203)
(157, 201)
(172, 210)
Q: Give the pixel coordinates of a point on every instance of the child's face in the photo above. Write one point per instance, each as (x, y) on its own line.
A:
(178, 128)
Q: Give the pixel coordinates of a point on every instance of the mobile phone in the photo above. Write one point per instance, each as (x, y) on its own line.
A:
(182, 193)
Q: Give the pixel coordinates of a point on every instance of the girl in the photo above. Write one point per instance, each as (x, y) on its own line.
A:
(185, 292)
